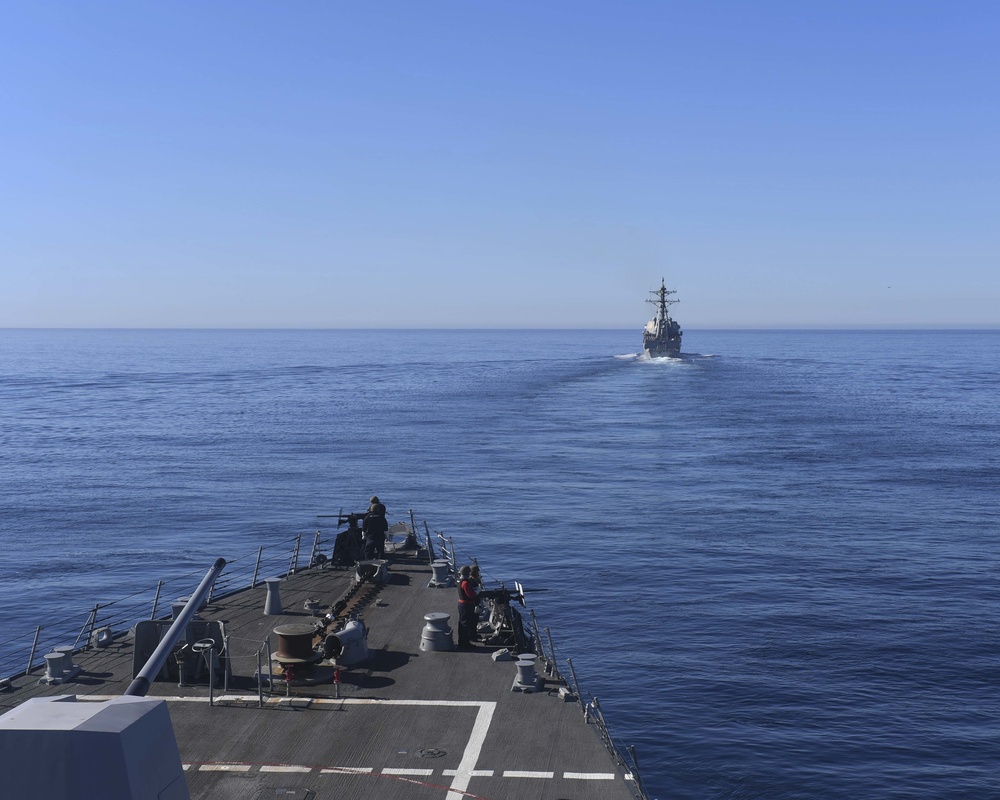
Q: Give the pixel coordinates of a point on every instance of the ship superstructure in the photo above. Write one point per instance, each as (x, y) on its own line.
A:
(662, 334)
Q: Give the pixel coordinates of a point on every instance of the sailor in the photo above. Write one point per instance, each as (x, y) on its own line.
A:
(374, 530)
(468, 603)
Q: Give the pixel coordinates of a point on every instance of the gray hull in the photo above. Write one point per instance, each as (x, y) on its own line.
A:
(663, 347)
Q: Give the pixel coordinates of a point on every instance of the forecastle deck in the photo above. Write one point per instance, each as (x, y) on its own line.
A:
(406, 723)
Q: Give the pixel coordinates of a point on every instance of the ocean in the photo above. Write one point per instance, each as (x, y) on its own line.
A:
(774, 559)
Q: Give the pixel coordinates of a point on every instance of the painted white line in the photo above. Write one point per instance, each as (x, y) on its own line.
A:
(470, 757)
(283, 768)
(415, 772)
(466, 768)
(519, 773)
(476, 773)
(346, 771)
(589, 776)
(312, 701)
(224, 768)
(370, 701)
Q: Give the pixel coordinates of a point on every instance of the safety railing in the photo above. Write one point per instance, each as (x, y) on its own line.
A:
(624, 755)
(98, 625)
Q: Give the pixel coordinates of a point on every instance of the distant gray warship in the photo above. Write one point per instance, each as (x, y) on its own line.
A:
(662, 335)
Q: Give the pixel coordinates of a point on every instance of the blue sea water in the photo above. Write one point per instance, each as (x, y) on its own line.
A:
(773, 559)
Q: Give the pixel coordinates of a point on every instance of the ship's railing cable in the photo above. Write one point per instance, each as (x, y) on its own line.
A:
(447, 548)
(454, 555)
(635, 770)
(315, 549)
(293, 562)
(550, 666)
(624, 755)
(430, 544)
(100, 624)
(251, 657)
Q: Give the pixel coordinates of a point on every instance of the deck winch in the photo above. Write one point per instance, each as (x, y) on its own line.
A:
(348, 646)
(295, 644)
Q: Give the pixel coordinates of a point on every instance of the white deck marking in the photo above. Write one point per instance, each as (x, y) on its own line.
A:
(473, 748)
(224, 768)
(415, 772)
(589, 776)
(317, 701)
(461, 776)
(346, 771)
(476, 773)
(283, 768)
(523, 773)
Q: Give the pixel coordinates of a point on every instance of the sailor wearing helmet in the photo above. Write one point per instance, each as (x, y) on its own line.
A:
(374, 530)
(468, 604)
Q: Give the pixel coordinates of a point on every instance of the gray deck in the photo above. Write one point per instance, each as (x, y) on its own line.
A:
(407, 724)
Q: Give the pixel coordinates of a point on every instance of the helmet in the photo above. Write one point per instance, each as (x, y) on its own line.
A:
(374, 499)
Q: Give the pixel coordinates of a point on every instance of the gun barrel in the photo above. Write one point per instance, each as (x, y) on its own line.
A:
(140, 684)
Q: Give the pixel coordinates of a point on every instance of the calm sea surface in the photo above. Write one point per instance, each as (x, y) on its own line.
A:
(775, 560)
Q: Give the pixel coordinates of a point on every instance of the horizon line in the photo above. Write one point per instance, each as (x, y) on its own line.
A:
(736, 329)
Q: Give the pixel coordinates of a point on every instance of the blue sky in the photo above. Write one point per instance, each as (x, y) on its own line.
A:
(517, 164)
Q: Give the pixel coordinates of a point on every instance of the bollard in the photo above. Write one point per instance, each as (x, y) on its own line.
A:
(442, 574)
(436, 635)
(67, 654)
(53, 668)
(272, 606)
(527, 679)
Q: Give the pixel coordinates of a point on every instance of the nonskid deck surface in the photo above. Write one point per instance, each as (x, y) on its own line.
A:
(404, 724)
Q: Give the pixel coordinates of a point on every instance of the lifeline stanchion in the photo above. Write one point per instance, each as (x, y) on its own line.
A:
(34, 647)
(88, 627)
(156, 600)
(260, 681)
(430, 544)
(538, 642)
(206, 649)
(293, 562)
(552, 649)
(256, 569)
(576, 686)
(635, 770)
(315, 549)
(270, 658)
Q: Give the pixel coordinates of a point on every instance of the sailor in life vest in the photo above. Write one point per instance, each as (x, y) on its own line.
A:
(468, 604)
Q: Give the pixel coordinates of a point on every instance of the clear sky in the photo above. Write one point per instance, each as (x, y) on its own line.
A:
(460, 163)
